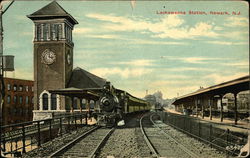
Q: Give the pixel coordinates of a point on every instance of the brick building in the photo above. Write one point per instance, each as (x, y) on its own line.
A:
(18, 103)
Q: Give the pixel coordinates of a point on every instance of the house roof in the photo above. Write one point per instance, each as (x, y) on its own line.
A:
(52, 10)
(83, 79)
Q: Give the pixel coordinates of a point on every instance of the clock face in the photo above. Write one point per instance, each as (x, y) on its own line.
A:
(48, 57)
(68, 58)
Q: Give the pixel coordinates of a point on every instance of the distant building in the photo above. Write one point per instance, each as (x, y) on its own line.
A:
(151, 99)
(18, 101)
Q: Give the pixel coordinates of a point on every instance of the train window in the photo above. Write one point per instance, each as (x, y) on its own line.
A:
(53, 102)
(45, 101)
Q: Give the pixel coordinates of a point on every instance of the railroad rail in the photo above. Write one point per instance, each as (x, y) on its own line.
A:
(182, 147)
(86, 145)
(159, 142)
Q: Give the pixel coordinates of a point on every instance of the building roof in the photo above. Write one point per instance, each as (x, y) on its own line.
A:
(83, 79)
(240, 80)
(236, 85)
(52, 10)
(76, 92)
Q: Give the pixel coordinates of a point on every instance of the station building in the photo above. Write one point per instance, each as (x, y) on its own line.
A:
(53, 64)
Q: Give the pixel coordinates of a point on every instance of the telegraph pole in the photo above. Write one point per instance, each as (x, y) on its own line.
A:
(2, 72)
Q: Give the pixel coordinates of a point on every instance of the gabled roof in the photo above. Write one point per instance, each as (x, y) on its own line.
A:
(82, 79)
(52, 10)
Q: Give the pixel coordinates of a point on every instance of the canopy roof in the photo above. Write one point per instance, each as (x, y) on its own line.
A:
(233, 86)
(76, 92)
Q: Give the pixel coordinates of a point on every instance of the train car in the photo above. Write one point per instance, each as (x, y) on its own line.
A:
(115, 104)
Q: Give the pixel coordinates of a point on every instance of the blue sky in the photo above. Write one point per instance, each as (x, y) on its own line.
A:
(138, 49)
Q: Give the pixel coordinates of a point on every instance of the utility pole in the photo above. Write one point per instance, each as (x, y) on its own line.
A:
(2, 72)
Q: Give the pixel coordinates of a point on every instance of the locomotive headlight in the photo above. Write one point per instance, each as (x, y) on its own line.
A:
(105, 101)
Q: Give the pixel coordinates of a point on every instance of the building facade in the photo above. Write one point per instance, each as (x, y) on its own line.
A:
(53, 63)
(53, 57)
(18, 101)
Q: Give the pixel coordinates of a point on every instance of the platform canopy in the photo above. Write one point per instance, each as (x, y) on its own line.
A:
(89, 94)
(233, 86)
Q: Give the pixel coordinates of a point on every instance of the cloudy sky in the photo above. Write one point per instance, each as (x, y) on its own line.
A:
(138, 49)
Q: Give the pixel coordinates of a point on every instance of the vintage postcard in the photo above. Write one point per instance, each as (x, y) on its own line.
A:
(118, 57)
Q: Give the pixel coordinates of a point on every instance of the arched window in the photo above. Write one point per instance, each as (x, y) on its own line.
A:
(84, 103)
(45, 101)
(75, 103)
(92, 104)
(53, 102)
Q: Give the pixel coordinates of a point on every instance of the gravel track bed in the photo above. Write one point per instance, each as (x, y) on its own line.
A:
(122, 143)
(163, 145)
(144, 150)
(87, 145)
(49, 147)
(127, 141)
(199, 148)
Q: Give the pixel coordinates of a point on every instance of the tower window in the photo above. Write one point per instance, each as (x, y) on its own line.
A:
(45, 102)
(38, 32)
(53, 31)
(53, 102)
(59, 31)
(46, 32)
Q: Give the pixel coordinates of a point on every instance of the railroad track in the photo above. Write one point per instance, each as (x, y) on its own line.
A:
(160, 143)
(86, 145)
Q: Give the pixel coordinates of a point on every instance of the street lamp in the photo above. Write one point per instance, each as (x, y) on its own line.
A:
(7, 64)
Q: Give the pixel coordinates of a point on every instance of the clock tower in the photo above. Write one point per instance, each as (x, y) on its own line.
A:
(53, 56)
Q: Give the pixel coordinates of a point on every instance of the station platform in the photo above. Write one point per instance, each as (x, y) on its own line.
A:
(243, 126)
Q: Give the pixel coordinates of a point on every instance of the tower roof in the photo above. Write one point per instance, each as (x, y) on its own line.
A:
(51, 11)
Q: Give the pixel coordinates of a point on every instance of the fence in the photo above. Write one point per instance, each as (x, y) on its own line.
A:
(225, 140)
(19, 138)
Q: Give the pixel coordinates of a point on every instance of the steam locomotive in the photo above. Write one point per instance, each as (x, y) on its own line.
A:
(115, 104)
